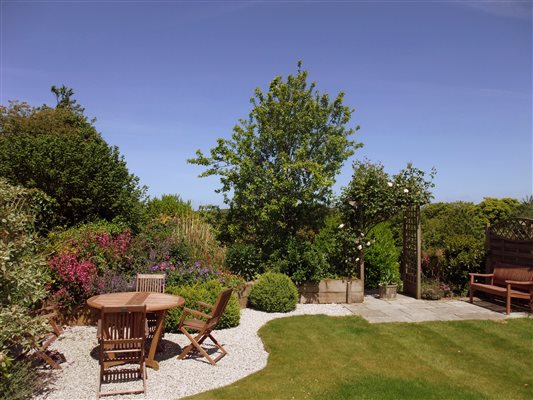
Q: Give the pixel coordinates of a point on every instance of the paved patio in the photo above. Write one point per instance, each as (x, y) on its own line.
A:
(408, 309)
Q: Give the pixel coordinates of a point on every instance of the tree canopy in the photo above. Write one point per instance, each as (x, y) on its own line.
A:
(278, 168)
(59, 151)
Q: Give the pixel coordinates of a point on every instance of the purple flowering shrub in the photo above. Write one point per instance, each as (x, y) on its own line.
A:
(185, 273)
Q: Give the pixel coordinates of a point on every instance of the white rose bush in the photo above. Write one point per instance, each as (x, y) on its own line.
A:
(373, 196)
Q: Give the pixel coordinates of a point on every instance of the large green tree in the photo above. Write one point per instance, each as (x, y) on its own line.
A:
(59, 151)
(278, 168)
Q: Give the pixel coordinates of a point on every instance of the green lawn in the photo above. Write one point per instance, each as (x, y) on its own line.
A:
(318, 357)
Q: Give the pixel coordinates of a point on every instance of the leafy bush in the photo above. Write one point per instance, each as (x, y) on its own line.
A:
(168, 205)
(462, 255)
(208, 293)
(274, 292)
(381, 257)
(303, 262)
(434, 290)
(442, 220)
(88, 260)
(23, 274)
(24, 381)
(59, 151)
(245, 260)
(373, 196)
(183, 274)
(176, 239)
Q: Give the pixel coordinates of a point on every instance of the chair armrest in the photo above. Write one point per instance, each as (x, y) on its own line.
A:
(195, 312)
(476, 274)
(206, 305)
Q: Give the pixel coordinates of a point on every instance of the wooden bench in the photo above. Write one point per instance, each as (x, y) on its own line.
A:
(507, 281)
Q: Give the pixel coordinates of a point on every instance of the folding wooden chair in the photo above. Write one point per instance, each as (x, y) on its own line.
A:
(204, 328)
(122, 339)
(151, 283)
(45, 341)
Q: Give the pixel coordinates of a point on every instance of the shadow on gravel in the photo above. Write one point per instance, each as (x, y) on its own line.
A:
(170, 349)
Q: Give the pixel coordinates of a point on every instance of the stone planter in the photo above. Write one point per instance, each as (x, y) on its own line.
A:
(388, 292)
(332, 291)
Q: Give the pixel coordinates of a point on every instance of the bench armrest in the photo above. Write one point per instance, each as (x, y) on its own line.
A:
(519, 282)
(474, 274)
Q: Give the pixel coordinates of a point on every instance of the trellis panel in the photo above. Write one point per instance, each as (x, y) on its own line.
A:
(411, 255)
(510, 242)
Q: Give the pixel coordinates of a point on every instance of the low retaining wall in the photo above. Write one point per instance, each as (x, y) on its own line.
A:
(327, 291)
(332, 291)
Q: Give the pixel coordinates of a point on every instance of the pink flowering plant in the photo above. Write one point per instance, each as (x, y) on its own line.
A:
(89, 260)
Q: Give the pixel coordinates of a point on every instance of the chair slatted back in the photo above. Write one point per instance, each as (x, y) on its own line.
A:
(122, 340)
(218, 308)
(123, 328)
(150, 283)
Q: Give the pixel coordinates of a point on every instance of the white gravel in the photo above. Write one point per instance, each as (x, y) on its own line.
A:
(78, 378)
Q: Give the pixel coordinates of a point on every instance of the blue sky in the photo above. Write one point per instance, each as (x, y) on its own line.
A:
(445, 84)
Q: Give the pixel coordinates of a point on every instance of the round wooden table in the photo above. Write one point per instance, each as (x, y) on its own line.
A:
(155, 302)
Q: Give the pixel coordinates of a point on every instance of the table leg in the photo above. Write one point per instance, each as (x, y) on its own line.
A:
(150, 360)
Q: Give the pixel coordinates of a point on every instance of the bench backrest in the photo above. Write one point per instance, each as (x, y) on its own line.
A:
(513, 273)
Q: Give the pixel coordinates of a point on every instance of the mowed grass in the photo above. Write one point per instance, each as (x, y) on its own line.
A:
(319, 357)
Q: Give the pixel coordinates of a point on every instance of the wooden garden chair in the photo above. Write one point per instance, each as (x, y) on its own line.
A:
(122, 340)
(151, 283)
(203, 327)
(46, 340)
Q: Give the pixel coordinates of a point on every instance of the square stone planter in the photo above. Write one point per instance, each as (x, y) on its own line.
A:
(332, 291)
(388, 292)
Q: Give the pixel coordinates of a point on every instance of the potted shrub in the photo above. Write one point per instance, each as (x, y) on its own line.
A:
(388, 285)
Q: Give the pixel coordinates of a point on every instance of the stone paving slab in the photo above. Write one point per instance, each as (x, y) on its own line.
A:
(408, 309)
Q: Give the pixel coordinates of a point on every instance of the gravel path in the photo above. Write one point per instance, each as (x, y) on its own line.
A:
(176, 378)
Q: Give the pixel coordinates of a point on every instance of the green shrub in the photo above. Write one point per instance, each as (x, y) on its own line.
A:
(23, 275)
(245, 260)
(183, 239)
(169, 205)
(274, 292)
(59, 151)
(90, 259)
(462, 254)
(381, 257)
(434, 290)
(23, 382)
(303, 262)
(208, 293)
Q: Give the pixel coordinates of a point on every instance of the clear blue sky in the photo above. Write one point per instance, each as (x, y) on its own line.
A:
(445, 84)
